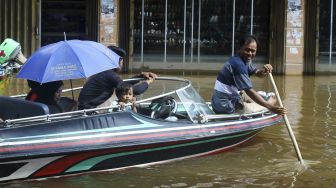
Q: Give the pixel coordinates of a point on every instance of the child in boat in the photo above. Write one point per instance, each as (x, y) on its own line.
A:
(126, 99)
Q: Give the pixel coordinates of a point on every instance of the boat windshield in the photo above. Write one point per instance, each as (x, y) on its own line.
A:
(193, 103)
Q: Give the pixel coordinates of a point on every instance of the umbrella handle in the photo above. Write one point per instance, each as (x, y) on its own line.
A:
(72, 92)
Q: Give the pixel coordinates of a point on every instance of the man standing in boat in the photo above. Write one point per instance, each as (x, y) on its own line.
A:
(233, 91)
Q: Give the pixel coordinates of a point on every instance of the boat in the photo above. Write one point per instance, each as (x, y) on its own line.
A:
(170, 125)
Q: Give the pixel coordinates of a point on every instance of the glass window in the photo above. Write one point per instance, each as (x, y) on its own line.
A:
(261, 27)
(59, 17)
(242, 20)
(333, 49)
(175, 32)
(209, 29)
(153, 34)
(216, 27)
(327, 34)
(193, 103)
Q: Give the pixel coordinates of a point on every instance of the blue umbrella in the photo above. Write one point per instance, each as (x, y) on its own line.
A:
(69, 59)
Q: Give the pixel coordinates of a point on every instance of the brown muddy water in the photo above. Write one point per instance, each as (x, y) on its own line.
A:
(268, 160)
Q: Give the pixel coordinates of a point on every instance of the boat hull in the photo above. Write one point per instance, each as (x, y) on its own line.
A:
(62, 164)
(114, 141)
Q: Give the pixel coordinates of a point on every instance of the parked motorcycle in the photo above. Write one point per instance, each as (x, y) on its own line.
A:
(11, 57)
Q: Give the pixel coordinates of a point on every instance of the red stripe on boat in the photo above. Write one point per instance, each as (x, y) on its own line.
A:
(59, 166)
(106, 139)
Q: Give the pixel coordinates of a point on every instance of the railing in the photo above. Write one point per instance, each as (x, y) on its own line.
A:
(236, 116)
(105, 110)
(86, 112)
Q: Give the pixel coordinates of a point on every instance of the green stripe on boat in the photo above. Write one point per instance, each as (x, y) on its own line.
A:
(87, 164)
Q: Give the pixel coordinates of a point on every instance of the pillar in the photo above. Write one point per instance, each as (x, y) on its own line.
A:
(108, 22)
(294, 37)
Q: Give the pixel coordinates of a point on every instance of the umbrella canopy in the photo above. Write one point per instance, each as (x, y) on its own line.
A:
(69, 59)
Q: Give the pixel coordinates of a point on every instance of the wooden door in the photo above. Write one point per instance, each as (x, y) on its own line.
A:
(20, 21)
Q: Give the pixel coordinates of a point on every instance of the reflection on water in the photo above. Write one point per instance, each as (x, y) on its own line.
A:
(269, 160)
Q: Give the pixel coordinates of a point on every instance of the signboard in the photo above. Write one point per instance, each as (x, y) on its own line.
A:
(294, 35)
(108, 27)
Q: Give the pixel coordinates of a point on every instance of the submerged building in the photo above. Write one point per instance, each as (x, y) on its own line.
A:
(297, 36)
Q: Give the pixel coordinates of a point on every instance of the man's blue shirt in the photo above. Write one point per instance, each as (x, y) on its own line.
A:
(232, 78)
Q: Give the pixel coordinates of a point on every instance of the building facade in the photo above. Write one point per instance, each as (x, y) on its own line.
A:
(297, 36)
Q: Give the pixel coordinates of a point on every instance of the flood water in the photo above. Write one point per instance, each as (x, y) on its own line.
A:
(268, 160)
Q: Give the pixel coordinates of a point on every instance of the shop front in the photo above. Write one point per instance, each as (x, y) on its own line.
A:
(204, 33)
(183, 34)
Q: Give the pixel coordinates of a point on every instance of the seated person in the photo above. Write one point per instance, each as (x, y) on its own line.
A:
(233, 83)
(50, 94)
(100, 87)
(124, 93)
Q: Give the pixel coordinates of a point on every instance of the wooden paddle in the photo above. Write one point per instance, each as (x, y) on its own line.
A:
(289, 128)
